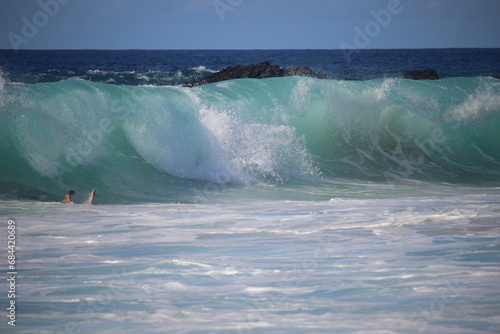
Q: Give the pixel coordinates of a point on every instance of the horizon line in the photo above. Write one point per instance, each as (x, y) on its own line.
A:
(281, 49)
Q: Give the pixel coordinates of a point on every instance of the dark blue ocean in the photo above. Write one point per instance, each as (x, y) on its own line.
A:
(173, 67)
(359, 203)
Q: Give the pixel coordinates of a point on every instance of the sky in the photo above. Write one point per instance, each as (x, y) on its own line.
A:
(248, 24)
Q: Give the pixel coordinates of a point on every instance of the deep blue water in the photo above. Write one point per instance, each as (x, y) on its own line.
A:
(174, 67)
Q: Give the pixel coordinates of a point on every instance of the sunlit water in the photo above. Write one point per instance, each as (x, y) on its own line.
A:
(421, 263)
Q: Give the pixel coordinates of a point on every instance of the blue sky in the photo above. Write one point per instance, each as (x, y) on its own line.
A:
(248, 24)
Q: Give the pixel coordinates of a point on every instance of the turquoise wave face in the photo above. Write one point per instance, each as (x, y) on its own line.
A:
(152, 142)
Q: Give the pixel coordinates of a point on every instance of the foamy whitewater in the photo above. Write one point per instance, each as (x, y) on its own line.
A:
(284, 205)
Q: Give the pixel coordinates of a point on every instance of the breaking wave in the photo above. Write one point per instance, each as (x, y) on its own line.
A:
(146, 142)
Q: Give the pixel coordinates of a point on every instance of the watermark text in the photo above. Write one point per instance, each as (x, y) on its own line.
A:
(11, 272)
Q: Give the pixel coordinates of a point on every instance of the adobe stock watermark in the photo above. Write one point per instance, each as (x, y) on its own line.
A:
(373, 28)
(223, 6)
(221, 178)
(292, 278)
(90, 141)
(436, 143)
(31, 26)
(93, 306)
(436, 308)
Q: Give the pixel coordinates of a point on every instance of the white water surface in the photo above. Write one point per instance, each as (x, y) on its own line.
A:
(424, 262)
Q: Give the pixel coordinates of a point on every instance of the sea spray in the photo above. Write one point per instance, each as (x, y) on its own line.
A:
(142, 141)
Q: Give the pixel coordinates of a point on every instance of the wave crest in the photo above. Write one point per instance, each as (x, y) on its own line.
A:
(142, 141)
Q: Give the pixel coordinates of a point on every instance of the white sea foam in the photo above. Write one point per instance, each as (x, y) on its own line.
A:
(201, 69)
(477, 106)
(307, 266)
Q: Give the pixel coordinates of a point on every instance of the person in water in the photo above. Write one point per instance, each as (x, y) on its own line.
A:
(72, 192)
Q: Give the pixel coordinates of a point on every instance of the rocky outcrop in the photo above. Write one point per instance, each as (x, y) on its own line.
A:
(428, 74)
(255, 71)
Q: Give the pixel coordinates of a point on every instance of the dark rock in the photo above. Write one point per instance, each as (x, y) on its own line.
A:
(428, 74)
(303, 71)
(255, 71)
(495, 76)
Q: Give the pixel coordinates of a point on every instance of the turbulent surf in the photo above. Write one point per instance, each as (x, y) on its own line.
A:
(143, 141)
(281, 205)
